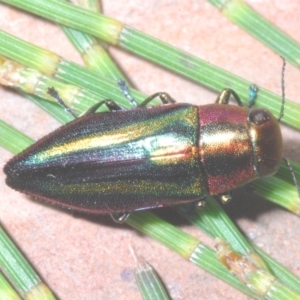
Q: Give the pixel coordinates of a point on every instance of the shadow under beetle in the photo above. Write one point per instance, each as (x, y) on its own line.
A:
(127, 160)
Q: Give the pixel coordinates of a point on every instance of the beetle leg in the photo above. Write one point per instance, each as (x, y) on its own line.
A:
(188, 209)
(225, 198)
(110, 104)
(164, 97)
(124, 89)
(200, 204)
(53, 92)
(253, 90)
(225, 95)
(120, 218)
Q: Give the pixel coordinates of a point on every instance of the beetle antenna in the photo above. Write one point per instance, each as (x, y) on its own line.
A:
(282, 89)
(296, 183)
(53, 92)
(124, 89)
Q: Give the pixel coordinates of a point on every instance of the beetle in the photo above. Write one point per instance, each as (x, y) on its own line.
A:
(147, 157)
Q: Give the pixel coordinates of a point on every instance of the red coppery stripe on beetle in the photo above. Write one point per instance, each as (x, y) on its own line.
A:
(218, 113)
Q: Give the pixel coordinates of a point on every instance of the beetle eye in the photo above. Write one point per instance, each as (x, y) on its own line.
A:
(259, 116)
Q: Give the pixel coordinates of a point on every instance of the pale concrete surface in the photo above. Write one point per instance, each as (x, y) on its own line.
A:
(82, 258)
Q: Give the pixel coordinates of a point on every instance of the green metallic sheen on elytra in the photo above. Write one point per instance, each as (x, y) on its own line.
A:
(116, 162)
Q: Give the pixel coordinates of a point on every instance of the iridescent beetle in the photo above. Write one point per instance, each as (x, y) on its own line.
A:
(147, 157)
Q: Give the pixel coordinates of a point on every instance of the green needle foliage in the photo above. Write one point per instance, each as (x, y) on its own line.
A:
(48, 69)
(118, 34)
(244, 16)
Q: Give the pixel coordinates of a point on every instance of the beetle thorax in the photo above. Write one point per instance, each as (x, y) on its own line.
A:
(225, 147)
